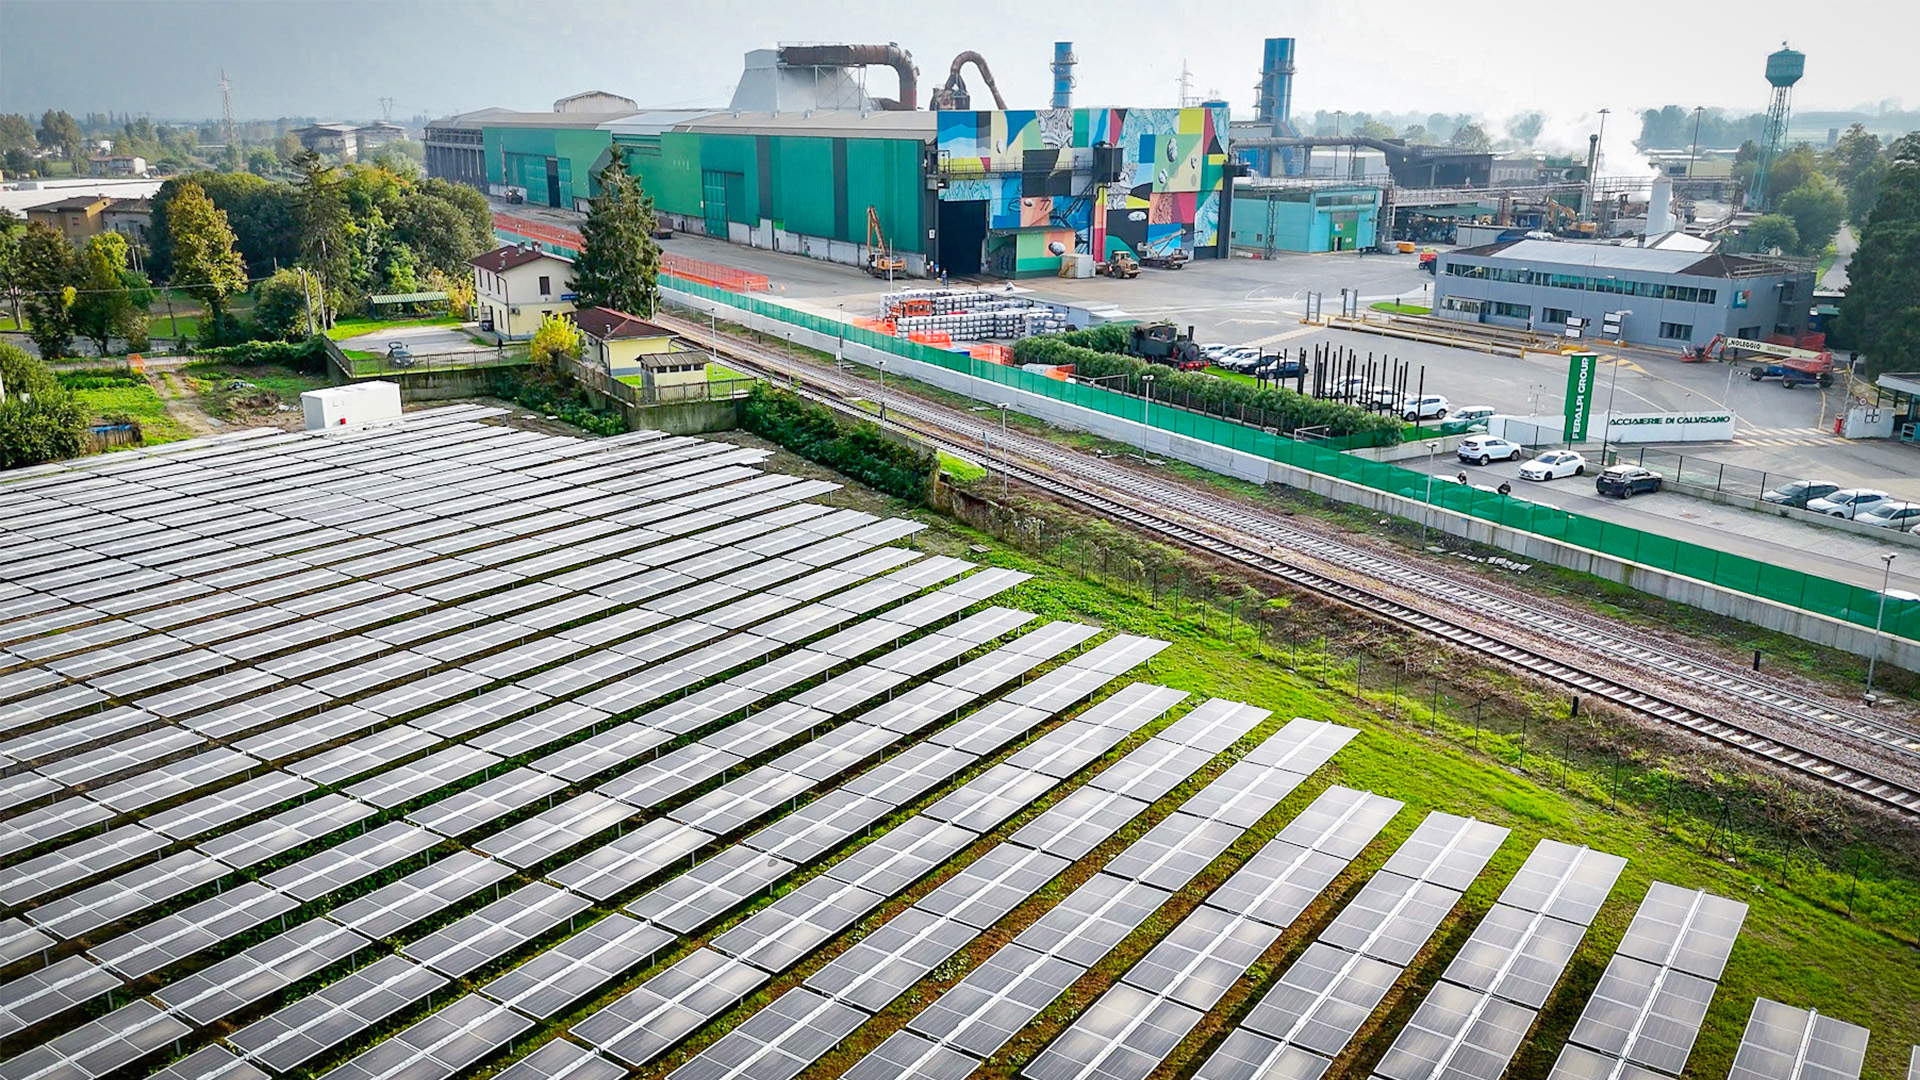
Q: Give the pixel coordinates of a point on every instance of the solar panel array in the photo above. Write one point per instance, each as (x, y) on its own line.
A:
(1642, 1019)
(1472, 1022)
(1785, 1043)
(969, 1023)
(1130, 1030)
(1320, 1002)
(326, 689)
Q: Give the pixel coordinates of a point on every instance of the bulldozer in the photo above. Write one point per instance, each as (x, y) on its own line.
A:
(1120, 264)
(881, 261)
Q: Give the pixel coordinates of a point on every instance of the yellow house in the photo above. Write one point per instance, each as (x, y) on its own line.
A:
(626, 345)
(516, 286)
(77, 218)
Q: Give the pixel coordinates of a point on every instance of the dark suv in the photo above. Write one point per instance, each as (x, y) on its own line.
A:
(1800, 492)
(1625, 480)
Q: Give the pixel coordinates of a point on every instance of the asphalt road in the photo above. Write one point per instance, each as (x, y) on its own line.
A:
(420, 340)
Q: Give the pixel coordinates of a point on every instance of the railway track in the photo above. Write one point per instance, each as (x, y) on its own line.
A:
(1231, 531)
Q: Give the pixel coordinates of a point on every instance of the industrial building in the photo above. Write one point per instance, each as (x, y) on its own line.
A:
(803, 160)
(1271, 216)
(1658, 296)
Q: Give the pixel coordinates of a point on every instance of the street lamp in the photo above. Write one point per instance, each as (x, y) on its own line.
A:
(883, 390)
(1146, 409)
(840, 350)
(1432, 448)
(1886, 576)
(1613, 387)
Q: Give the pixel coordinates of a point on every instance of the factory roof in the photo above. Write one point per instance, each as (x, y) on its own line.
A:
(1613, 257)
(654, 121)
(494, 117)
(884, 123)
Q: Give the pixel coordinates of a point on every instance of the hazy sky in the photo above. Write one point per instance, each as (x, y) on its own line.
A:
(336, 58)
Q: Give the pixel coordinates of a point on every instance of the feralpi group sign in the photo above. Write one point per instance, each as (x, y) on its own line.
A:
(1580, 368)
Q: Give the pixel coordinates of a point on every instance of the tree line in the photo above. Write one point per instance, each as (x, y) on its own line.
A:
(1880, 314)
(1810, 193)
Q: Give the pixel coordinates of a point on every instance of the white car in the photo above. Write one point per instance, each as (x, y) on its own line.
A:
(1431, 407)
(1381, 396)
(1240, 358)
(1480, 449)
(1476, 415)
(1847, 502)
(1554, 464)
(1213, 349)
(1890, 514)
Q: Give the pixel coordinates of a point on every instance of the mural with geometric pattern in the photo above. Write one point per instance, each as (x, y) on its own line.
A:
(1034, 169)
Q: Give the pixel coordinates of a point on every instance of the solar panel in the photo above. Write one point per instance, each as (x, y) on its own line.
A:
(778, 935)
(491, 932)
(907, 1056)
(50, 991)
(984, 1010)
(1447, 850)
(465, 811)
(737, 803)
(173, 779)
(1564, 881)
(263, 970)
(709, 890)
(1174, 851)
(651, 1018)
(1123, 1035)
(443, 1045)
(611, 869)
(1278, 883)
(210, 812)
(562, 975)
(1457, 1033)
(392, 908)
(191, 930)
(562, 1060)
(82, 859)
(19, 940)
(1093, 919)
(551, 832)
(1687, 929)
(993, 726)
(993, 885)
(126, 894)
(209, 1063)
(1086, 818)
(1642, 1014)
(1516, 955)
(1201, 958)
(983, 803)
(1152, 770)
(416, 779)
(362, 856)
(902, 855)
(1785, 1043)
(114, 1041)
(335, 1013)
(250, 845)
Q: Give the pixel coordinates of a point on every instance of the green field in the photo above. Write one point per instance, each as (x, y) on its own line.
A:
(346, 328)
(140, 404)
(1400, 309)
(962, 471)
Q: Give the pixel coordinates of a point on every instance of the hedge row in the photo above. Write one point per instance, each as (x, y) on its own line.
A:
(860, 450)
(549, 400)
(1101, 352)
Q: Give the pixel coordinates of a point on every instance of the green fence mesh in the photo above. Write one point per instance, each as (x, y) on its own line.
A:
(1793, 588)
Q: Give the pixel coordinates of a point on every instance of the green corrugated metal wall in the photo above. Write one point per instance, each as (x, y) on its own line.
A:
(803, 196)
(885, 173)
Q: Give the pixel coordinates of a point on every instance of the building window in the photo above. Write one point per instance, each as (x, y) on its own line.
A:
(1555, 315)
(1461, 304)
(546, 285)
(1748, 332)
(1512, 311)
(1677, 331)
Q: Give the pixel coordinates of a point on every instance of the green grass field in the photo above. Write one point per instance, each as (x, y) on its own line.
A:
(962, 471)
(138, 402)
(346, 328)
(1400, 309)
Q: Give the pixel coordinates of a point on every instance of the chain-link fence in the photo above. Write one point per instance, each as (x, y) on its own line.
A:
(1707, 473)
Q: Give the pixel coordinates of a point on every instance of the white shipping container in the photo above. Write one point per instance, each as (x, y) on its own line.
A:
(355, 405)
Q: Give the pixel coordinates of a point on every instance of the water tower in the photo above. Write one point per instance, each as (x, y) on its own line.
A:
(1784, 68)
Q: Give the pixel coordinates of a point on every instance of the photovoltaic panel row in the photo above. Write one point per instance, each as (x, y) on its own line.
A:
(1310, 1015)
(1132, 1028)
(1473, 1021)
(640, 1026)
(1654, 995)
(1785, 1043)
(340, 1011)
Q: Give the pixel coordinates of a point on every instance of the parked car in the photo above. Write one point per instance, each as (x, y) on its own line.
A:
(1381, 396)
(1890, 514)
(1847, 502)
(1213, 349)
(1800, 493)
(1474, 415)
(1554, 464)
(1240, 358)
(1480, 449)
(1430, 407)
(1626, 480)
(399, 355)
(1280, 366)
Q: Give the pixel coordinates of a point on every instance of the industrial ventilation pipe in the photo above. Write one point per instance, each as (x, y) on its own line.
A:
(954, 94)
(889, 54)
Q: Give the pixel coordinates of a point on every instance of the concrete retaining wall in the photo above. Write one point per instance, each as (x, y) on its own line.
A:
(1892, 537)
(1820, 629)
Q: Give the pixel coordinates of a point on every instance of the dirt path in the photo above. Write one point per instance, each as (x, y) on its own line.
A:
(177, 397)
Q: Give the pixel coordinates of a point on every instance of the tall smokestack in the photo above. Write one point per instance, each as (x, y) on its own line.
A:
(1660, 208)
(1063, 61)
(1275, 107)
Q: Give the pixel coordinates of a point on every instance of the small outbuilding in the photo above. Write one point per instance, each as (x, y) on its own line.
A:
(634, 350)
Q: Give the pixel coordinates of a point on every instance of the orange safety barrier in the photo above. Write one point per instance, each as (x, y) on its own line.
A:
(998, 354)
(713, 274)
(931, 337)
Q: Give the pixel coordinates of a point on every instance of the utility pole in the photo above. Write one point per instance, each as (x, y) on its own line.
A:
(386, 109)
(1186, 84)
(1694, 152)
(228, 132)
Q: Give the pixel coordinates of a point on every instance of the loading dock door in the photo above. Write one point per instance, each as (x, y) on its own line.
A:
(713, 188)
(963, 234)
(553, 181)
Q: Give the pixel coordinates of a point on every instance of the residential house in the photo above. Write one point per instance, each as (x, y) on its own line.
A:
(627, 346)
(335, 139)
(77, 218)
(517, 285)
(130, 218)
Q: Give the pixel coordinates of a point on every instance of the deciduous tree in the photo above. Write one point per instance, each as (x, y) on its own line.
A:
(280, 305)
(1881, 312)
(47, 273)
(204, 260)
(39, 420)
(1817, 208)
(557, 339)
(103, 308)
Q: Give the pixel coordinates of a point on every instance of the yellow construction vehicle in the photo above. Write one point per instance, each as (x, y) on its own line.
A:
(881, 261)
(1119, 264)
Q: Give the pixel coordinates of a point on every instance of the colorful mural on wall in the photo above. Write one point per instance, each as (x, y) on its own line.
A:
(1035, 170)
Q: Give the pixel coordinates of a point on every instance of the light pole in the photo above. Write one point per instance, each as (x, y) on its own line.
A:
(1146, 409)
(1697, 111)
(1004, 406)
(713, 332)
(1886, 575)
(1432, 448)
(1606, 429)
(840, 350)
(883, 390)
